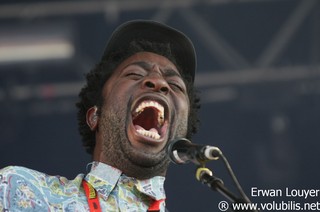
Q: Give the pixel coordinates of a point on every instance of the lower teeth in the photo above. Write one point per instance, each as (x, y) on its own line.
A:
(150, 134)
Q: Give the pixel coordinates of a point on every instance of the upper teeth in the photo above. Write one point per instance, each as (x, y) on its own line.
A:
(154, 104)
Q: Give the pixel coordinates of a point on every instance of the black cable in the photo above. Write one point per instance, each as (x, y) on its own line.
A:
(234, 178)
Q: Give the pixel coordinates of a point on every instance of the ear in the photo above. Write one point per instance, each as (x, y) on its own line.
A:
(92, 118)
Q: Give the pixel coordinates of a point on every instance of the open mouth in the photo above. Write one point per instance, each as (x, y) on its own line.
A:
(148, 119)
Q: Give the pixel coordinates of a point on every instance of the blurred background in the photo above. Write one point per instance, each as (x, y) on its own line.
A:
(258, 76)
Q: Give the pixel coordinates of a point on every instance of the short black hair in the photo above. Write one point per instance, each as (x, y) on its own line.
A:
(91, 94)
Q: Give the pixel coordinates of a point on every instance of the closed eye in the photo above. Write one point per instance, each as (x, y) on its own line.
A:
(134, 71)
(176, 86)
(134, 75)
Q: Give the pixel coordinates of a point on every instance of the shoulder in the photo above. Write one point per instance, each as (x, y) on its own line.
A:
(37, 178)
(19, 171)
(15, 179)
(14, 176)
(17, 175)
(27, 189)
(20, 189)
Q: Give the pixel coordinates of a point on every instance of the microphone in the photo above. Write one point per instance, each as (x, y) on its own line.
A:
(182, 151)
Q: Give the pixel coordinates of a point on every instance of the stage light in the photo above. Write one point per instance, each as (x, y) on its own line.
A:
(36, 50)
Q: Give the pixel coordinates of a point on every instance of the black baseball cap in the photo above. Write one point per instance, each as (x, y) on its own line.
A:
(181, 46)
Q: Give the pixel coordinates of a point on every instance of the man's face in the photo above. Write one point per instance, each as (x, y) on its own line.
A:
(145, 106)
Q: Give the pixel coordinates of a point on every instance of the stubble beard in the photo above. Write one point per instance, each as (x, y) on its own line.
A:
(122, 155)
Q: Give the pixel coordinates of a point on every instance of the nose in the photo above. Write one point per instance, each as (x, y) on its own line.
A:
(154, 81)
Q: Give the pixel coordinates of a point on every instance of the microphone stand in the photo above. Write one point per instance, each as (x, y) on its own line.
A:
(182, 151)
(205, 176)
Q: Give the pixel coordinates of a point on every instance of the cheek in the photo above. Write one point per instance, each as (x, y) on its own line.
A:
(183, 116)
(183, 108)
(116, 94)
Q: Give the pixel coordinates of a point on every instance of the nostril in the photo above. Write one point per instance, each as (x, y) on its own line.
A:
(149, 84)
(164, 89)
(156, 85)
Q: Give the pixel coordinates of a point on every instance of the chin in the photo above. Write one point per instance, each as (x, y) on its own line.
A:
(144, 157)
(142, 165)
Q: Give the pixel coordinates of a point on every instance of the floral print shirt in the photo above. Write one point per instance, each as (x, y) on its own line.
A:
(23, 189)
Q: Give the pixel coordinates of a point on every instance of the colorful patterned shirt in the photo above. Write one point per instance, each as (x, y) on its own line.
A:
(23, 189)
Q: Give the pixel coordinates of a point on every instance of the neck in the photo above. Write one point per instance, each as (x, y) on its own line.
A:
(131, 169)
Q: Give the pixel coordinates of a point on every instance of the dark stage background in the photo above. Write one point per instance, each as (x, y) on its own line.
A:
(258, 76)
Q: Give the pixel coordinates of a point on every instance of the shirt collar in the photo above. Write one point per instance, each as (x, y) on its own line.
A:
(104, 178)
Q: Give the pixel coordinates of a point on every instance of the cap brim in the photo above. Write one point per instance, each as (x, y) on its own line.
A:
(181, 46)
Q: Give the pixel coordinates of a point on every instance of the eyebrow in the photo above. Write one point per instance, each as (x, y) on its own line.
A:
(168, 72)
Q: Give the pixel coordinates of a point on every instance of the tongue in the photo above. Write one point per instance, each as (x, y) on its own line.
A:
(138, 127)
(153, 130)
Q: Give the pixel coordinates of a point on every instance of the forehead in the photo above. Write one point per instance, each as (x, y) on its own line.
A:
(150, 59)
